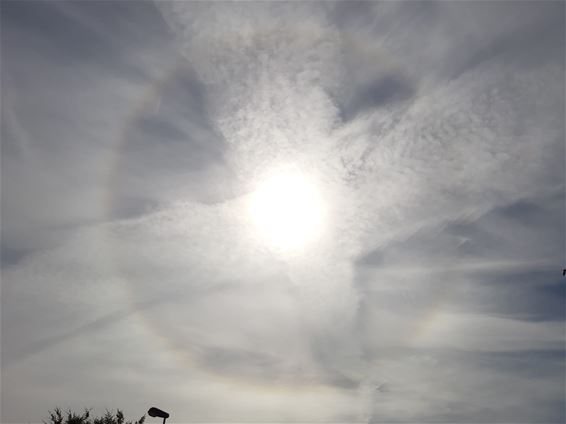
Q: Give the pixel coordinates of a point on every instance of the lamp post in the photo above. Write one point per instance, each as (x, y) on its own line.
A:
(156, 412)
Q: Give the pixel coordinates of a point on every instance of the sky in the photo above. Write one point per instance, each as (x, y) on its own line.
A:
(284, 212)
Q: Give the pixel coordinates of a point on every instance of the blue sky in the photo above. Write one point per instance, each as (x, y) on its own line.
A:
(427, 139)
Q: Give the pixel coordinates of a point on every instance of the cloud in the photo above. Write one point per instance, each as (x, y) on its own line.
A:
(134, 135)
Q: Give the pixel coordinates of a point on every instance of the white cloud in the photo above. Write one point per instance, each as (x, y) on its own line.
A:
(185, 306)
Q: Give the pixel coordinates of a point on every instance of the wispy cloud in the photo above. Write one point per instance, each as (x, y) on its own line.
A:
(133, 135)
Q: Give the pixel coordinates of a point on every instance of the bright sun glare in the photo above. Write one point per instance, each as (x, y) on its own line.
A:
(287, 210)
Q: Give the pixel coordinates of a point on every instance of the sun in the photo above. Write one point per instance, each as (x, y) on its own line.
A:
(287, 210)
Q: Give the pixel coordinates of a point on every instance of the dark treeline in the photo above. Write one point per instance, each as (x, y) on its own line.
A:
(57, 416)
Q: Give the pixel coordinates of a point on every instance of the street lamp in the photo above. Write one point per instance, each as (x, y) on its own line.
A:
(156, 412)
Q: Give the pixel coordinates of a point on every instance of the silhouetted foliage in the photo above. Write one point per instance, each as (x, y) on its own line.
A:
(58, 417)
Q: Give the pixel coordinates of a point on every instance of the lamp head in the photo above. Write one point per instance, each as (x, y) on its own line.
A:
(156, 412)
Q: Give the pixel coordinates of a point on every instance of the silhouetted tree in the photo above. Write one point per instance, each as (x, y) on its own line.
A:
(58, 417)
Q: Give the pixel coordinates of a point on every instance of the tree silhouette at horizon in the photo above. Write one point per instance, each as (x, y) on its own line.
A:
(57, 416)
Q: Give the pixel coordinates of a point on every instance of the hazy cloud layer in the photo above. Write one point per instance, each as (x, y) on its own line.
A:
(133, 135)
